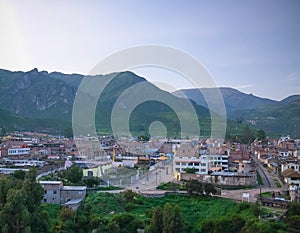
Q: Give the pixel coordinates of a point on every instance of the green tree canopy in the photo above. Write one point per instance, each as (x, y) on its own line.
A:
(261, 136)
(21, 204)
(156, 222)
(73, 174)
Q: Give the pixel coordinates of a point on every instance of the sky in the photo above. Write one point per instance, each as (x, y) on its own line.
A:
(250, 45)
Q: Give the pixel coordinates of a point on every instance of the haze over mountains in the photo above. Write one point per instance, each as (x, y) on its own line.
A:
(43, 101)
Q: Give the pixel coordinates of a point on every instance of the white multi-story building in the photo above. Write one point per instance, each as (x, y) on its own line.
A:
(188, 156)
(218, 162)
(18, 151)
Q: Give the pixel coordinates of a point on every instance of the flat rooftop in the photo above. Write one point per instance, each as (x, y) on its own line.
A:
(74, 188)
(50, 182)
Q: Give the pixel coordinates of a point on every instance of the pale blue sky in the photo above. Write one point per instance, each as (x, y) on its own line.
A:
(250, 45)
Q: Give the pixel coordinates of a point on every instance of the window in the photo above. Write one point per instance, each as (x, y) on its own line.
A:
(45, 200)
(203, 170)
(183, 164)
(54, 191)
(203, 164)
(196, 164)
(45, 191)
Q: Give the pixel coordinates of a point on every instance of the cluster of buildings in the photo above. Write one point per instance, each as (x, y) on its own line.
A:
(206, 160)
(215, 162)
(282, 157)
(21, 151)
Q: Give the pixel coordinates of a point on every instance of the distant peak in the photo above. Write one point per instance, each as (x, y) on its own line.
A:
(35, 70)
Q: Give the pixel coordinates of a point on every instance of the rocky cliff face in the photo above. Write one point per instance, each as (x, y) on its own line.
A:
(35, 94)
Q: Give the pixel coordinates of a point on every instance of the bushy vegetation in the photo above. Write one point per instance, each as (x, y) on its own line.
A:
(20, 204)
(21, 211)
(127, 212)
(171, 186)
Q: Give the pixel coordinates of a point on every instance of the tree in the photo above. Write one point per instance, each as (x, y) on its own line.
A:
(68, 132)
(247, 136)
(255, 225)
(19, 174)
(190, 170)
(73, 174)
(113, 227)
(209, 189)
(66, 213)
(194, 187)
(167, 218)
(2, 132)
(293, 208)
(91, 182)
(177, 225)
(144, 138)
(261, 136)
(129, 195)
(21, 203)
(172, 219)
(156, 222)
(293, 217)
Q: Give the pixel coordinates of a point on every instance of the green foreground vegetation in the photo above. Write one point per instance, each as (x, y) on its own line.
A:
(127, 212)
(21, 211)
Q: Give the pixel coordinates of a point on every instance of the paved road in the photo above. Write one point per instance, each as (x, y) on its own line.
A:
(267, 178)
(162, 173)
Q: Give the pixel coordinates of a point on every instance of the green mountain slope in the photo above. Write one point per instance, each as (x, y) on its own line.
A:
(42, 98)
(283, 119)
(276, 117)
(13, 122)
(233, 99)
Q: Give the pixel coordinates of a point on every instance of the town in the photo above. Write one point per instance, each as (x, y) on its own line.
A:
(238, 170)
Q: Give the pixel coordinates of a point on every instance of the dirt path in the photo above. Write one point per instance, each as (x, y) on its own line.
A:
(253, 193)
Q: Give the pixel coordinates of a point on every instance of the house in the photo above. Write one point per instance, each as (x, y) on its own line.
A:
(94, 168)
(51, 191)
(290, 175)
(56, 193)
(292, 179)
(72, 196)
(292, 165)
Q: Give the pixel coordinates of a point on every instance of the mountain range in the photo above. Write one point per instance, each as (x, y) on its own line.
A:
(277, 117)
(34, 100)
(42, 101)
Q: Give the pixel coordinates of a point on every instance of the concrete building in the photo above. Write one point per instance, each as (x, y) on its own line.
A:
(69, 193)
(187, 156)
(56, 193)
(18, 151)
(52, 191)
